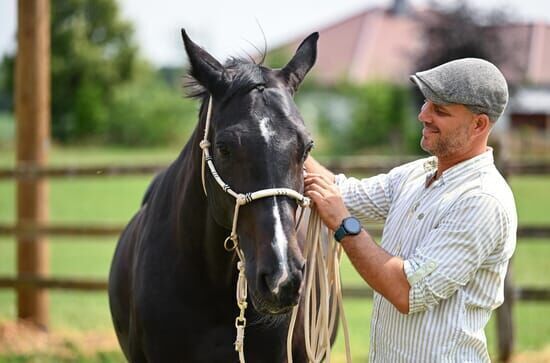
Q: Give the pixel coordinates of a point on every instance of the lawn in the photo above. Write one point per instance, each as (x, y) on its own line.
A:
(112, 200)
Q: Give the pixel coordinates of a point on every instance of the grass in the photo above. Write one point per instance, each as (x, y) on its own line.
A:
(7, 130)
(114, 200)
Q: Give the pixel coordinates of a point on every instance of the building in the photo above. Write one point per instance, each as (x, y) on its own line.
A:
(385, 43)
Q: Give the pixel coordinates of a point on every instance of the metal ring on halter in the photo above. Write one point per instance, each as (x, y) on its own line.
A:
(228, 247)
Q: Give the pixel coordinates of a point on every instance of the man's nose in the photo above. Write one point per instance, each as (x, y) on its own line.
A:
(423, 115)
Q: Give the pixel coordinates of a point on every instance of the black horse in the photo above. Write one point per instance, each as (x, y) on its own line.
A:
(172, 283)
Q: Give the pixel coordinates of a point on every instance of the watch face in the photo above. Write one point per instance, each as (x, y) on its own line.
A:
(352, 225)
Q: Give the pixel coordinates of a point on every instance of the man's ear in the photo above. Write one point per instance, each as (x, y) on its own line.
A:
(302, 61)
(482, 123)
(204, 67)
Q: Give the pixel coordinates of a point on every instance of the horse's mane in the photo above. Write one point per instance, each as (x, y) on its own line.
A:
(241, 74)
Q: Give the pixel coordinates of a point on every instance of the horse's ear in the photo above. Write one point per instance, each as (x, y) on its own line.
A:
(204, 67)
(306, 54)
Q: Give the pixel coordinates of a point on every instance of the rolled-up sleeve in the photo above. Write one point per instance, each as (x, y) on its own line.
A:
(454, 250)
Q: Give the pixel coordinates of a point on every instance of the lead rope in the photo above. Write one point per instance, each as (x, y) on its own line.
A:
(317, 330)
(323, 270)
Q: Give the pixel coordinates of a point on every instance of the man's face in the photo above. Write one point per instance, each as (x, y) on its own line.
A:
(447, 128)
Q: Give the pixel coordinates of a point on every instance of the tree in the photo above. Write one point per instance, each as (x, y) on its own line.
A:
(462, 31)
(92, 52)
(6, 83)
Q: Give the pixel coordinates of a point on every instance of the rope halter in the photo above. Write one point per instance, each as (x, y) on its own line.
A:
(232, 241)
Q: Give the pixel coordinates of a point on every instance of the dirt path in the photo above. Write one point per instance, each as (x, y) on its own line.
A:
(24, 338)
(540, 356)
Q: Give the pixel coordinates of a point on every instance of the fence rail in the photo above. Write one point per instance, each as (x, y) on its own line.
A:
(345, 165)
(53, 283)
(354, 292)
(527, 232)
(36, 172)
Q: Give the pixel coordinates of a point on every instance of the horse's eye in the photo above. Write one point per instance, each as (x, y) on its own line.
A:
(308, 148)
(223, 149)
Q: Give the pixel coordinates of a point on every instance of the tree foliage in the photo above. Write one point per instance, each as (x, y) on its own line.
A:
(101, 91)
(149, 113)
(462, 31)
(92, 53)
(351, 118)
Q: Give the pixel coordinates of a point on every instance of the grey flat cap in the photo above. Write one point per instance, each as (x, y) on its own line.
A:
(472, 82)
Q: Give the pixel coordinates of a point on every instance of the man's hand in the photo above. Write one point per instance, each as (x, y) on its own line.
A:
(327, 199)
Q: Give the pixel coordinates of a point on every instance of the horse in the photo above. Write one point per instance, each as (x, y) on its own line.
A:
(171, 283)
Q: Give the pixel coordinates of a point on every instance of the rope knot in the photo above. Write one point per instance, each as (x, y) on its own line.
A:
(242, 199)
(204, 144)
(305, 202)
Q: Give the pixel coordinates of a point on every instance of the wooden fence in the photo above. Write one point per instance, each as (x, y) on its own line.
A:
(348, 165)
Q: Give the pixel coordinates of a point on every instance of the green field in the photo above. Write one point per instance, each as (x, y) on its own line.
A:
(112, 200)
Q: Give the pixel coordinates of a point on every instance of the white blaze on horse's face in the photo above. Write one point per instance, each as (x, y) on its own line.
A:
(281, 244)
(280, 241)
(266, 130)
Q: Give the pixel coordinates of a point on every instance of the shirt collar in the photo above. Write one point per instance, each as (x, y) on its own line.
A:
(464, 168)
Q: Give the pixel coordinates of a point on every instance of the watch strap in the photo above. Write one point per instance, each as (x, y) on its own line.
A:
(340, 233)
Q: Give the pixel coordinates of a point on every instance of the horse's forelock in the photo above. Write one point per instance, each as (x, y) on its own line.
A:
(239, 75)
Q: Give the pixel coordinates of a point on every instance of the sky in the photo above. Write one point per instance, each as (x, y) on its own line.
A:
(233, 27)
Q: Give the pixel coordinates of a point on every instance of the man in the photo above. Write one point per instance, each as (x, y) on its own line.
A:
(450, 224)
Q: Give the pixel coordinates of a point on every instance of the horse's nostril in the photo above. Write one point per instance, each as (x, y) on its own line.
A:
(266, 282)
(273, 284)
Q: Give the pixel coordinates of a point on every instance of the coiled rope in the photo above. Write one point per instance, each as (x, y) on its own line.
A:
(322, 301)
(322, 269)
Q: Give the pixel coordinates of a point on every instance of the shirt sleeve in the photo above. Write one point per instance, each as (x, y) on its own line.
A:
(368, 199)
(454, 250)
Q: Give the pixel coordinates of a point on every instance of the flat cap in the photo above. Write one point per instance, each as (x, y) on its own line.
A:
(475, 83)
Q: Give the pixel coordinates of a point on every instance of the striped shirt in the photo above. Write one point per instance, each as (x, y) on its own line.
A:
(456, 236)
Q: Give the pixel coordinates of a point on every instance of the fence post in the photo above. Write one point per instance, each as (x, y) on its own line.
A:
(505, 321)
(32, 109)
(504, 314)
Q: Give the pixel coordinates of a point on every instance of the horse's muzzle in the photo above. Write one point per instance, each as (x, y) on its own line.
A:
(277, 291)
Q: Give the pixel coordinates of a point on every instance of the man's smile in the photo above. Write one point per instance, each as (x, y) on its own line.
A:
(429, 130)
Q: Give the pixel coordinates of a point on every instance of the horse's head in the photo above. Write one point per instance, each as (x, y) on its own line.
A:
(258, 141)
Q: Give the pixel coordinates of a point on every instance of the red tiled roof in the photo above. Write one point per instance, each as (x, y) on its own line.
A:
(378, 45)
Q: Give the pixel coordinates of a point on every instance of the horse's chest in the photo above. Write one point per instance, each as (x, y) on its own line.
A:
(215, 343)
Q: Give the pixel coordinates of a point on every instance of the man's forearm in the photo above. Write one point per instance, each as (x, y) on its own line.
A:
(382, 271)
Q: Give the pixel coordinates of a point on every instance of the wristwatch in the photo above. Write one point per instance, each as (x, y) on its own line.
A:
(350, 226)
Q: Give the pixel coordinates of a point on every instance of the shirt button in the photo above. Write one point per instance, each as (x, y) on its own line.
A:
(431, 264)
(420, 216)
